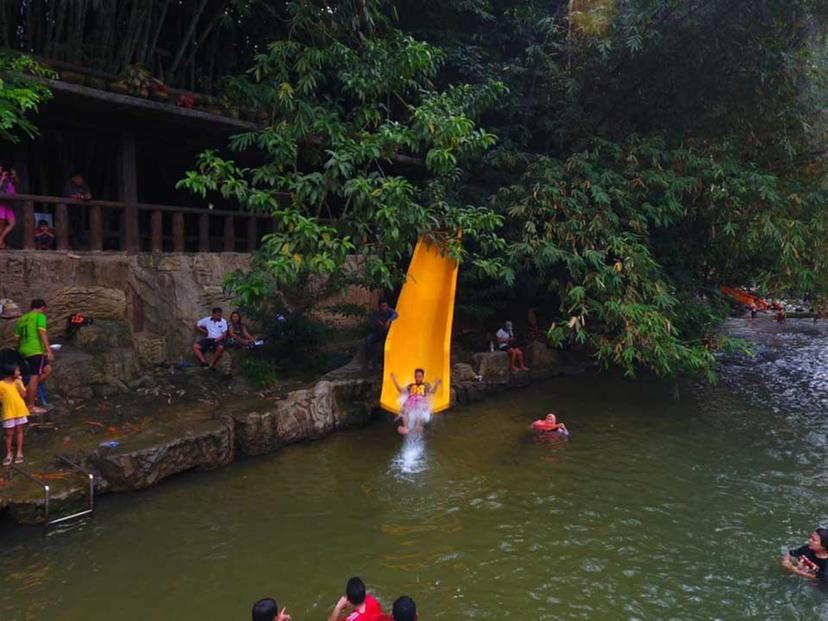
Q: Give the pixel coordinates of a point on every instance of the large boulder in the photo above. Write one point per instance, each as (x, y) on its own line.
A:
(306, 414)
(493, 366)
(102, 335)
(150, 348)
(96, 302)
(461, 372)
(208, 445)
(105, 373)
(538, 355)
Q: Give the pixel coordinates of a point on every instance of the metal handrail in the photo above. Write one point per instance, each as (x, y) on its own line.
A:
(91, 478)
(34, 479)
(47, 491)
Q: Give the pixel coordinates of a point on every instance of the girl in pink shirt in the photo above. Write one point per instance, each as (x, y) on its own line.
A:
(7, 218)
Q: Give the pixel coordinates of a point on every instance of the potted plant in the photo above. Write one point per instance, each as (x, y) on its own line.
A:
(159, 91)
(73, 77)
(118, 86)
(137, 78)
(187, 100)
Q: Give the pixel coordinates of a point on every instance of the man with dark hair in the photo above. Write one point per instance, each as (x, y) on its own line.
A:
(380, 323)
(363, 606)
(268, 610)
(404, 609)
(214, 329)
(77, 188)
(34, 348)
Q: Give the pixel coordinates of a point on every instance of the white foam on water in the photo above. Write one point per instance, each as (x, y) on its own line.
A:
(412, 458)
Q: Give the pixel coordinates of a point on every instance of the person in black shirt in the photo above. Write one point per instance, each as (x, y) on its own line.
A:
(811, 560)
(380, 323)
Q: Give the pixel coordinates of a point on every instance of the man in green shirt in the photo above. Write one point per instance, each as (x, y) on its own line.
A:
(33, 345)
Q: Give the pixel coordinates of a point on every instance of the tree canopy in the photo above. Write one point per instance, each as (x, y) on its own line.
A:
(20, 96)
(620, 160)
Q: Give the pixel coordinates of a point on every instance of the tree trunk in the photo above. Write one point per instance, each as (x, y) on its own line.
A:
(206, 33)
(186, 41)
(154, 42)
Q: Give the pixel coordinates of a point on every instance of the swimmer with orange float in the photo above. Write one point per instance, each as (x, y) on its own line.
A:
(417, 402)
(550, 424)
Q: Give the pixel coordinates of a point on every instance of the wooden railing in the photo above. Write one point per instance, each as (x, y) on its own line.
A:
(129, 235)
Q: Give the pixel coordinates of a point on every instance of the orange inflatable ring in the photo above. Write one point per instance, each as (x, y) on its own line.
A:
(542, 425)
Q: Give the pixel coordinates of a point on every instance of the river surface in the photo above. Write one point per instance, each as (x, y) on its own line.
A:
(657, 508)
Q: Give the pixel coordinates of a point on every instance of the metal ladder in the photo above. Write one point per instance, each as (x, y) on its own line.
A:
(47, 490)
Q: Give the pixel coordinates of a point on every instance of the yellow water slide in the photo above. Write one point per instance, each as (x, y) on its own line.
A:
(421, 336)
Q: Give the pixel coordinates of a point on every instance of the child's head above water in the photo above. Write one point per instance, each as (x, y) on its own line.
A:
(551, 418)
(419, 376)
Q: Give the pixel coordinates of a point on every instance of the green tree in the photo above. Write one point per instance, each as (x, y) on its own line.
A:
(360, 154)
(649, 151)
(20, 95)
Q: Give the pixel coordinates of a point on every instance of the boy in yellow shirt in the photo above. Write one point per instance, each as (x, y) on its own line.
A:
(15, 411)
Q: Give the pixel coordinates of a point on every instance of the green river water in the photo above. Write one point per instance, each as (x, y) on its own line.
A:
(657, 508)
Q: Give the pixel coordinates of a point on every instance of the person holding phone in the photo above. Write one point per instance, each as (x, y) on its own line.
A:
(8, 179)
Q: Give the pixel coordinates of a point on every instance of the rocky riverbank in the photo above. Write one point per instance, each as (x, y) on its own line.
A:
(152, 440)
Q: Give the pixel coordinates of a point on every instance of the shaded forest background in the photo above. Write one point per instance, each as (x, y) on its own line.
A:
(610, 162)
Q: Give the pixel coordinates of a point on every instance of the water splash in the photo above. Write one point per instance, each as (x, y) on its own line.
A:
(412, 456)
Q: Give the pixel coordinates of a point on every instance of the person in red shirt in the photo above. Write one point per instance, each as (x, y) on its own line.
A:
(363, 607)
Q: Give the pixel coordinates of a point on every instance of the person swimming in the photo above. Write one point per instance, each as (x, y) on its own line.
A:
(417, 403)
(550, 424)
(811, 560)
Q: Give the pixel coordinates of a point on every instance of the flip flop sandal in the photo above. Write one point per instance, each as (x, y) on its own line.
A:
(18, 460)
(7, 462)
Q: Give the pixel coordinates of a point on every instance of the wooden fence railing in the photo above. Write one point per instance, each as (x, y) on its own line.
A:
(76, 220)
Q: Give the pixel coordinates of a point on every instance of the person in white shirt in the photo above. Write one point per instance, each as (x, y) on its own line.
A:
(506, 342)
(214, 329)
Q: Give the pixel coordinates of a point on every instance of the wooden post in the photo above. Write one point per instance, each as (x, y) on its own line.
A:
(178, 231)
(95, 228)
(62, 226)
(252, 240)
(28, 225)
(204, 232)
(229, 234)
(156, 231)
(128, 191)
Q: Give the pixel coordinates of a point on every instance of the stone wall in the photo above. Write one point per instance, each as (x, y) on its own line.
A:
(157, 296)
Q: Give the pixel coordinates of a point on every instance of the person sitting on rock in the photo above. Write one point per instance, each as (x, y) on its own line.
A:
(237, 334)
(506, 342)
(214, 329)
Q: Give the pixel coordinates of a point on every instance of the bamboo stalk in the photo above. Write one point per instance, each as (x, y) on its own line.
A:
(187, 38)
(206, 33)
(158, 28)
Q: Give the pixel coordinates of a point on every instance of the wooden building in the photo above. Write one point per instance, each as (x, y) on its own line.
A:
(131, 151)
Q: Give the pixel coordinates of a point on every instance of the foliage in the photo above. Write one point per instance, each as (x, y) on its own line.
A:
(20, 96)
(647, 152)
(296, 345)
(351, 106)
(650, 151)
(185, 42)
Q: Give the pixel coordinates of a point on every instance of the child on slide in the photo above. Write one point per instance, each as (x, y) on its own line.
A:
(416, 402)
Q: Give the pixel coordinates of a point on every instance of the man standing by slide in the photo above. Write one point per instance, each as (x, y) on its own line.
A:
(380, 323)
